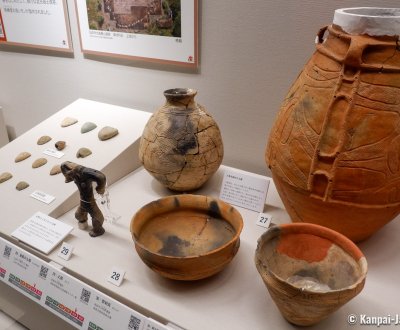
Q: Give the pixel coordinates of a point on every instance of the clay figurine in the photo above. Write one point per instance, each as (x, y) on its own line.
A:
(83, 178)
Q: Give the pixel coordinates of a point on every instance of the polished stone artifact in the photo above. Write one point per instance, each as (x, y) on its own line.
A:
(181, 145)
(5, 176)
(107, 133)
(310, 271)
(22, 185)
(43, 139)
(87, 127)
(22, 156)
(334, 150)
(56, 169)
(84, 177)
(60, 145)
(39, 162)
(83, 152)
(68, 121)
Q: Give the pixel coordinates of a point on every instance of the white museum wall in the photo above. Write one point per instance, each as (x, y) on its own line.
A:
(250, 53)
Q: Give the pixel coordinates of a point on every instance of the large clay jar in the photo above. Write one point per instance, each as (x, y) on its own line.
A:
(334, 150)
(181, 145)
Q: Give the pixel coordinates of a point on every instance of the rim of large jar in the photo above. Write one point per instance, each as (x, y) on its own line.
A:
(374, 21)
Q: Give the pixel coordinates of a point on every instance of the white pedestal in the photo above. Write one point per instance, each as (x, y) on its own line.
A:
(236, 298)
(115, 158)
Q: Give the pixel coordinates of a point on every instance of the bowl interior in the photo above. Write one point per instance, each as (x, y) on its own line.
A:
(185, 226)
(310, 262)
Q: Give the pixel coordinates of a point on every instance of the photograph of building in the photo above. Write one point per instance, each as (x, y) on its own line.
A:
(154, 17)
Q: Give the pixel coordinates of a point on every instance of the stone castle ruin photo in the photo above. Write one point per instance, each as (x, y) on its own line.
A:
(154, 17)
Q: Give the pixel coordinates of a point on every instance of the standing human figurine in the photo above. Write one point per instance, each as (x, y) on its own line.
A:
(83, 178)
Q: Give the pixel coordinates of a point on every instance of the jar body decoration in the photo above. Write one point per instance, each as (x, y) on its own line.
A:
(334, 150)
(181, 145)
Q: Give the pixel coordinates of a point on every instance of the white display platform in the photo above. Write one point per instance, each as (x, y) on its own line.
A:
(236, 298)
(3, 130)
(115, 157)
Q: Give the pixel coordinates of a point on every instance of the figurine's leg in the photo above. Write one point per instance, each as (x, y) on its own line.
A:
(82, 216)
(97, 221)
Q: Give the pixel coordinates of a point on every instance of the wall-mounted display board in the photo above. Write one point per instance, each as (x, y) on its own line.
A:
(35, 23)
(152, 30)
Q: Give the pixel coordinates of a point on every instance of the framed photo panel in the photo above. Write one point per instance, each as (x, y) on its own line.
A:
(164, 31)
(35, 23)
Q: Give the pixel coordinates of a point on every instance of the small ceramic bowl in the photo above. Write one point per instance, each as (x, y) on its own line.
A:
(309, 270)
(187, 237)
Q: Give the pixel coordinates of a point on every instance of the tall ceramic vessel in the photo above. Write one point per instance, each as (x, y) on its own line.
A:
(181, 145)
(334, 150)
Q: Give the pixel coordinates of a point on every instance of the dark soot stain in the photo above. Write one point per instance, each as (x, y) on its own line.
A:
(188, 143)
(172, 246)
(214, 210)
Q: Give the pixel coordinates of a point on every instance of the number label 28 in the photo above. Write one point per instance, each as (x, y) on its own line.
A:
(116, 276)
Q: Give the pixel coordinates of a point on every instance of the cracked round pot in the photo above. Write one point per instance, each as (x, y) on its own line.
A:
(334, 150)
(187, 237)
(181, 145)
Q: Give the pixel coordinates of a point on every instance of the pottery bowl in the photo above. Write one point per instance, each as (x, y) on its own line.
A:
(309, 270)
(187, 237)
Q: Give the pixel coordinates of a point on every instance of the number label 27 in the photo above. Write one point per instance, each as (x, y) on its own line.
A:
(263, 220)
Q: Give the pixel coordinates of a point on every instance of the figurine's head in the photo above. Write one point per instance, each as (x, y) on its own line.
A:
(67, 169)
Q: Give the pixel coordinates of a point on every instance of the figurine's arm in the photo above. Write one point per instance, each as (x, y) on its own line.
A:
(98, 177)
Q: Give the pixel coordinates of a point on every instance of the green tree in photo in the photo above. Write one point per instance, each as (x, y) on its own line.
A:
(175, 7)
(95, 14)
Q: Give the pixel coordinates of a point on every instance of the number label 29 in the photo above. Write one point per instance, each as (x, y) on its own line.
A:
(65, 251)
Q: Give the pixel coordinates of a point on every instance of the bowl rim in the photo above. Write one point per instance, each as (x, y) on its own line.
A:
(183, 199)
(313, 229)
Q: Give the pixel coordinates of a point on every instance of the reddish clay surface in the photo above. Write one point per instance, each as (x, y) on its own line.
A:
(304, 247)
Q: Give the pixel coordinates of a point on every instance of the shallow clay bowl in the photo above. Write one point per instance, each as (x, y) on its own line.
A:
(309, 270)
(187, 237)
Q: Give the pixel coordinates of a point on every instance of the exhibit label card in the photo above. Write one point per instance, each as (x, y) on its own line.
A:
(42, 232)
(24, 272)
(85, 307)
(80, 305)
(42, 24)
(63, 297)
(5, 255)
(42, 196)
(154, 325)
(107, 313)
(53, 153)
(244, 189)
